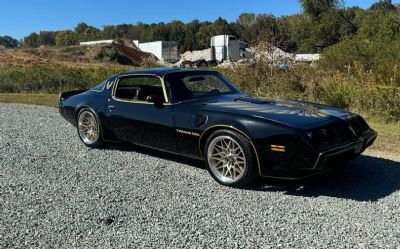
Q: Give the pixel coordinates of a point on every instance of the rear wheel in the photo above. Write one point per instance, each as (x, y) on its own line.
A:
(229, 158)
(89, 128)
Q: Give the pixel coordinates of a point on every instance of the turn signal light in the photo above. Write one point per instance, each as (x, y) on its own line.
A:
(278, 148)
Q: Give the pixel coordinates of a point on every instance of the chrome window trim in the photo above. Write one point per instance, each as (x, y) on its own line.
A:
(116, 81)
(193, 99)
(99, 91)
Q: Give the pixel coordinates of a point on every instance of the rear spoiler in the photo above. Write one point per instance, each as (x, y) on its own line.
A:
(66, 95)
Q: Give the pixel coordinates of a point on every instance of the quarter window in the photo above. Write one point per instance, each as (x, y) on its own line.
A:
(100, 87)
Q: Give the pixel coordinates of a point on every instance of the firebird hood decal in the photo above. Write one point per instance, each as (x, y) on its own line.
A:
(289, 112)
(272, 109)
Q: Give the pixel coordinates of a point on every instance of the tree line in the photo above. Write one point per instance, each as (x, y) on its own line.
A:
(321, 25)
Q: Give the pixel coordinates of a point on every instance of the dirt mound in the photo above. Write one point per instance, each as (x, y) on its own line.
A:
(136, 56)
(119, 52)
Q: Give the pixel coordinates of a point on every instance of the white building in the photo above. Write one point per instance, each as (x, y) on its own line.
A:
(90, 43)
(307, 57)
(163, 50)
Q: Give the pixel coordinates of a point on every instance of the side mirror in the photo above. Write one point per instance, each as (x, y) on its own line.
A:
(156, 100)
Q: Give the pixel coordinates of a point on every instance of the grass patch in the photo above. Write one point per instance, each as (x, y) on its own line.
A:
(53, 79)
(30, 99)
(388, 137)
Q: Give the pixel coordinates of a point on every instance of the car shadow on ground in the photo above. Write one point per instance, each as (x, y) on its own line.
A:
(363, 179)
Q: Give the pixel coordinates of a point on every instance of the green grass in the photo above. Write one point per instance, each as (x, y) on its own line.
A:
(30, 99)
(388, 139)
(53, 78)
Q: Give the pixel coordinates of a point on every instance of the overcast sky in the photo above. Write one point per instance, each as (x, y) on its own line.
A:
(18, 18)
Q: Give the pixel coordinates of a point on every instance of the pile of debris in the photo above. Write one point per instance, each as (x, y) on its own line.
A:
(197, 55)
(193, 57)
(132, 54)
(120, 51)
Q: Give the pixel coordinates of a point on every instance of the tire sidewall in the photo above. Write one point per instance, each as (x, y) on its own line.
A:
(99, 142)
(247, 150)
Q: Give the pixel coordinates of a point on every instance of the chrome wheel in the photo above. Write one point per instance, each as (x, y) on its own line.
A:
(88, 127)
(226, 159)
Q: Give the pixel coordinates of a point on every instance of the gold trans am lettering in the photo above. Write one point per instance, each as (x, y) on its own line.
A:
(188, 133)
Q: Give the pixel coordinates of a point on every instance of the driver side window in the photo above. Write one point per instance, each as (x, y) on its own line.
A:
(138, 88)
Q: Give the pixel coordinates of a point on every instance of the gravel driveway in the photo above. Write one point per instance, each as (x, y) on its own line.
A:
(56, 193)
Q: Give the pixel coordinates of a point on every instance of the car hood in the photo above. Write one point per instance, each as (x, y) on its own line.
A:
(291, 113)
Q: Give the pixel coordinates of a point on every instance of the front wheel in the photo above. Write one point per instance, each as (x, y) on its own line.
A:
(228, 157)
(89, 128)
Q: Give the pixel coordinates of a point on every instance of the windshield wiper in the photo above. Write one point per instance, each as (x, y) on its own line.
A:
(238, 98)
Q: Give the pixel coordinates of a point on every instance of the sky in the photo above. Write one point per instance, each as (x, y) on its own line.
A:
(19, 18)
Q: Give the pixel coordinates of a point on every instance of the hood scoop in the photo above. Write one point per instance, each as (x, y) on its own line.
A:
(252, 100)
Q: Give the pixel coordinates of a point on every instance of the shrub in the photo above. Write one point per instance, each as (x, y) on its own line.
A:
(51, 79)
(360, 92)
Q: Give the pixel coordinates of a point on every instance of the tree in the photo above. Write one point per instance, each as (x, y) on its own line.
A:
(81, 27)
(326, 31)
(315, 8)
(177, 33)
(47, 38)
(90, 34)
(246, 19)
(267, 30)
(66, 38)
(121, 30)
(384, 27)
(8, 42)
(159, 32)
(190, 35)
(203, 36)
(220, 27)
(383, 6)
(32, 40)
(109, 32)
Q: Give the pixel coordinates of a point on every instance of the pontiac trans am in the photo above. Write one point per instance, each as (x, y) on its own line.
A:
(200, 114)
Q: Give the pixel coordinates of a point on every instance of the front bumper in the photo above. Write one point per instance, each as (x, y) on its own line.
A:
(329, 158)
(324, 160)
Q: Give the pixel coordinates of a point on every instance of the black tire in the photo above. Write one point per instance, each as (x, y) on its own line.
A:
(186, 64)
(249, 173)
(202, 64)
(213, 64)
(99, 141)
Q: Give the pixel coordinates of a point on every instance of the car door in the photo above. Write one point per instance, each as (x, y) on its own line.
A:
(132, 119)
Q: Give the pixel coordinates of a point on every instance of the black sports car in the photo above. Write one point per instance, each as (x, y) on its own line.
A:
(199, 114)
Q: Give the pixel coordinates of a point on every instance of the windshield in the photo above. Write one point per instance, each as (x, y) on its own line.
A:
(191, 85)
